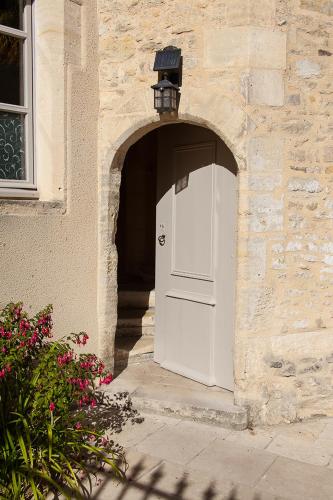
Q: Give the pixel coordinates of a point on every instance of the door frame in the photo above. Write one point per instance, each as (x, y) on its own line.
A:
(231, 131)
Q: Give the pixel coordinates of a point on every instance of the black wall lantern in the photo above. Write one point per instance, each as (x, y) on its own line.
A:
(168, 63)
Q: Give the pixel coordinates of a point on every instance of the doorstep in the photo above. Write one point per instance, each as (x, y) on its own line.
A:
(156, 390)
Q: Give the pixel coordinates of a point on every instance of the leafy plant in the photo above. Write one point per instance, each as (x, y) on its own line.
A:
(47, 392)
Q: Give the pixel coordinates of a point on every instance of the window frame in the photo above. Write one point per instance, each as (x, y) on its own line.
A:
(11, 187)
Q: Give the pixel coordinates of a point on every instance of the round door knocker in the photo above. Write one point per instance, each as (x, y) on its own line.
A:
(161, 240)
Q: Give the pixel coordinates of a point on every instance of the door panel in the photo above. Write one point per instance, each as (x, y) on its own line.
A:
(193, 211)
(186, 355)
(195, 220)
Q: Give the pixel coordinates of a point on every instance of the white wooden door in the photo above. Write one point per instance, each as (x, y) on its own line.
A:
(195, 247)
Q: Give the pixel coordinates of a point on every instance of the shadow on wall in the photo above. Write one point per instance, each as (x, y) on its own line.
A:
(149, 488)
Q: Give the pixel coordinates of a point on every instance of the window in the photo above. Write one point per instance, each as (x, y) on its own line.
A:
(16, 97)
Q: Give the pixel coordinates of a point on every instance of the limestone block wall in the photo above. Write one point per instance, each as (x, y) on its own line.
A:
(285, 263)
(258, 74)
(48, 246)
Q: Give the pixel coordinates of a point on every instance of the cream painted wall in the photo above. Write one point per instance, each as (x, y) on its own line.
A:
(48, 247)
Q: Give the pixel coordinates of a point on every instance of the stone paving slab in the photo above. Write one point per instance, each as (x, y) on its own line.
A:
(327, 432)
(299, 449)
(181, 483)
(132, 434)
(252, 438)
(174, 459)
(307, 430)
(179, 443)
(231, 461)
(298, 481)
(177, 482)
(169, 481)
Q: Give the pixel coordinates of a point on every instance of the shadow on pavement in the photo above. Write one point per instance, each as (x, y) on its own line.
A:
(112, 415)
(113, 412)
(145, 486)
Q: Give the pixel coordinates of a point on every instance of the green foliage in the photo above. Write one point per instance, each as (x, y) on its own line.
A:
(47, 392)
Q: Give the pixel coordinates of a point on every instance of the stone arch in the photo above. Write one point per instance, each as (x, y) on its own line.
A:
(220, 115)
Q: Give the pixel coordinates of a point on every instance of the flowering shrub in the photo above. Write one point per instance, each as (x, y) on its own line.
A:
(46, 394)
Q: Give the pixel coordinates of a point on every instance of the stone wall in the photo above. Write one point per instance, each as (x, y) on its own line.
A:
(287, 260)
(259, 74)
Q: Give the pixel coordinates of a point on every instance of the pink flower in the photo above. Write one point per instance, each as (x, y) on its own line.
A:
(107, 380)
(78, 425)
(24, 325)
(65, 358)
(17, 312)
(86, 365)
(93, 403)
(105, 441)
(33, 339)
(82, 340)
(6, 369)
(52, 407)
(101, 368)
(84, 400)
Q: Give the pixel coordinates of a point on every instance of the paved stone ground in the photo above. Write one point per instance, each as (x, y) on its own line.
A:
(170, 458)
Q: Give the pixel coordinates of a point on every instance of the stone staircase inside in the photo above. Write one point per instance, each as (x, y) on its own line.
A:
(135, 327)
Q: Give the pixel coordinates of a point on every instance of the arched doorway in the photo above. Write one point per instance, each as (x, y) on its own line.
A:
(176, 246)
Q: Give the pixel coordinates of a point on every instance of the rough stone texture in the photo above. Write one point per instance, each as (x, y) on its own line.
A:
(280, 134)
(244, 46)
(254, 72)
(265, 87)
(322, 6)
(307, 69)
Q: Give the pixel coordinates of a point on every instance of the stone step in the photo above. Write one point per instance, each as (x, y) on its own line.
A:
(136, 331)
(136, 299)
(136, 322)
(156, 390)
(136, 317)
(132, 349)
(196, 407)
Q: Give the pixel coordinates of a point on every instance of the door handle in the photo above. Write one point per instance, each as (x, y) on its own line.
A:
(161, 240)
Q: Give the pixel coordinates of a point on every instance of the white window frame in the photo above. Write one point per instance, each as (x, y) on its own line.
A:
(9, 187)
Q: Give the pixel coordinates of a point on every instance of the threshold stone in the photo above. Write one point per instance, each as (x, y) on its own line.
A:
(156, 390)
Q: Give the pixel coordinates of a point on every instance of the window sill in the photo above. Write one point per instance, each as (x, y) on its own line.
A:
(28, 204)
(12, 193)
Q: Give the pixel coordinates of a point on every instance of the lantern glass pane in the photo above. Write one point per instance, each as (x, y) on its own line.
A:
(167, 92)
(158, 102)
(166, 102)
